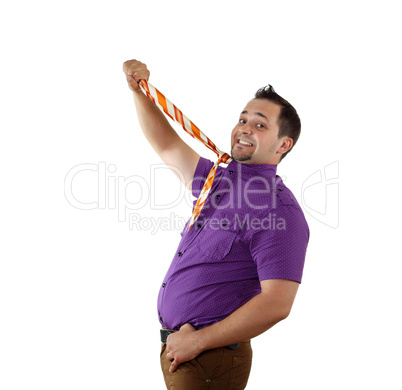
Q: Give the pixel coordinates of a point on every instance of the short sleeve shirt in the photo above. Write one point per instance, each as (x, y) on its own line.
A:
(251, 228)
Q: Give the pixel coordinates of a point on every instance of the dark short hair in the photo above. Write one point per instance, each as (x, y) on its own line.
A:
(289, 121)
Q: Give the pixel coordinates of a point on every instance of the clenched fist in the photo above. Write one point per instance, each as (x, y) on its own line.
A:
(135, 71)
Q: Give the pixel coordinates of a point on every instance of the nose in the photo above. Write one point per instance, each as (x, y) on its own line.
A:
(246, 129)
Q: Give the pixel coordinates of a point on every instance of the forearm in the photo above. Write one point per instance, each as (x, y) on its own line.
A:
(157, 130)
(256, 316)
(250, 320)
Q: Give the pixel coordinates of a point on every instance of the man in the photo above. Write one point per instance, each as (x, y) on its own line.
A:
(237, 270)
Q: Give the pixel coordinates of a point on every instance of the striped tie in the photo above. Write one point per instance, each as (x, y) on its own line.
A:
(175, 114)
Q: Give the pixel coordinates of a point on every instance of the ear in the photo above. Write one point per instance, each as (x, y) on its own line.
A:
(285, 144)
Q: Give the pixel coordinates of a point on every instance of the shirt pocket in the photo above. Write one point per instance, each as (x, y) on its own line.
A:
(216, 238)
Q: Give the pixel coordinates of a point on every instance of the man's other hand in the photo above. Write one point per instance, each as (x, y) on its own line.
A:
(182, 346)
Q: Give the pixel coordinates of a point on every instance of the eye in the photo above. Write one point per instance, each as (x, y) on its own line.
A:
(242, 121)
(260, 125)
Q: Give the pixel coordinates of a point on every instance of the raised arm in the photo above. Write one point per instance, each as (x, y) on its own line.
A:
(156, 128)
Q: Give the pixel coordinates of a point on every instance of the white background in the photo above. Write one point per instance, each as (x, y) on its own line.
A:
(78, 288)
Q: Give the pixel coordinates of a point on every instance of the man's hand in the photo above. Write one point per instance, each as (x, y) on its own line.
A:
(135, 71)
(182, 346)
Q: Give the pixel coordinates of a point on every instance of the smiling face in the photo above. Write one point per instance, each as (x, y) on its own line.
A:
(255, 137)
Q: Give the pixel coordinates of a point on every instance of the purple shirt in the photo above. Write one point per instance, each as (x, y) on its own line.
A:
(250, 229)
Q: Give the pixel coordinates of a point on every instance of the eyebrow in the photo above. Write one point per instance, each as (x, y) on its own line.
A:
(258, 114)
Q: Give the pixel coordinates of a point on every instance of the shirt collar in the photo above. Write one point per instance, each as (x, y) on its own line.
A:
(266, 170)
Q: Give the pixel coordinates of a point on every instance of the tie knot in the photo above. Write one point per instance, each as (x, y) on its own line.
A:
(224, 157)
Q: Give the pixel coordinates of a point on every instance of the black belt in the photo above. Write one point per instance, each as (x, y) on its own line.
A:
(165, 333)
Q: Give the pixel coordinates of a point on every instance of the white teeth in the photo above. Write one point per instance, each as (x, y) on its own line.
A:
(245, 143)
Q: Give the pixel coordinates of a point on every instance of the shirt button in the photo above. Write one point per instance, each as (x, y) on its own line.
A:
(230, 172)
(217, 196)
(160, 319)
(179, 254)
(164, 284)
(198, 225)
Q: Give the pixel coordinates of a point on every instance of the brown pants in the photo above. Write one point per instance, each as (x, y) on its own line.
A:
(216, 369)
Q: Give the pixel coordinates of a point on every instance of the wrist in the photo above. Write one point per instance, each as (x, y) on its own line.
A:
(201, 340)
(137, 91)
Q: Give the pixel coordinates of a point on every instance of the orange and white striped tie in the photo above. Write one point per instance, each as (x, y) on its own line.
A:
(175, 114)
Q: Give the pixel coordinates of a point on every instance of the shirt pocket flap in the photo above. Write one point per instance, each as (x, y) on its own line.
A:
(216, 238)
